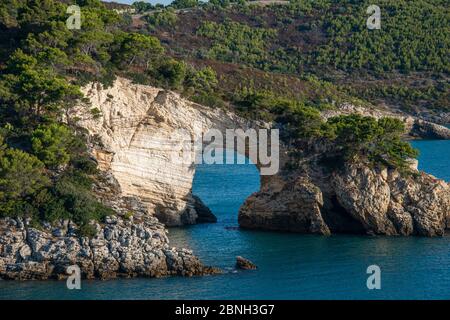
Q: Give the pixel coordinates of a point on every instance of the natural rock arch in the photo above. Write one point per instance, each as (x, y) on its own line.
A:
(137, 137)
(139, 127)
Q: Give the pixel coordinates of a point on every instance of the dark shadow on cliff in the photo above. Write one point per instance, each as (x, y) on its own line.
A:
(340, 221)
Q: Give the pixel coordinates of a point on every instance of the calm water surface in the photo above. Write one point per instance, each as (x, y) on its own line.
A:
(291, 266)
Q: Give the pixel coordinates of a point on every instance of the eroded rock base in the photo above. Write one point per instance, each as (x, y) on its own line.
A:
(356, 199)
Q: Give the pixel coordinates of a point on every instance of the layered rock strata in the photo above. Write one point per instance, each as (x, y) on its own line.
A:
(140, 128)
(141, 136)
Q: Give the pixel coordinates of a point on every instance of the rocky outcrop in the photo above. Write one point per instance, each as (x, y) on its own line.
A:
(140, 127)
(245, 264)
(434, 116)
(293, 206)
(388, 203)
(356, 199)
(131, 243)
(137, 138)
(137, 141)
(120, 248)
(428, 130)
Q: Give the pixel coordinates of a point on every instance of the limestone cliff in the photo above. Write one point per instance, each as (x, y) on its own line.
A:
(138, 138)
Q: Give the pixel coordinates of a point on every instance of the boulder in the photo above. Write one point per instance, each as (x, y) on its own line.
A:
(245, 264)
(293, 206)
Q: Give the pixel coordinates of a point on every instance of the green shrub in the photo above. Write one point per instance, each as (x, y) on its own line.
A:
(164, 18)
(87, 230)
(96, 112)
(142, 6)
(136, 48)
(357, 137)
(50, 143)
(21, 176)
(128, 215)
(203, 80)
(183, 4)
(170, 73)
(208, 99)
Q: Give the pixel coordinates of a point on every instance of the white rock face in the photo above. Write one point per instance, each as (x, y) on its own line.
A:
(139, 132)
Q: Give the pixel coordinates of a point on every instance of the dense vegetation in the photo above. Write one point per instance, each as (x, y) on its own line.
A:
(414, 36)
(330, 40)
(164, 18)
(235, 42)
(351, 137)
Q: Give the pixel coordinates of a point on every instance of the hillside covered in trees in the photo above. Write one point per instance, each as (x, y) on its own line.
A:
(283, 63)
(404, 64)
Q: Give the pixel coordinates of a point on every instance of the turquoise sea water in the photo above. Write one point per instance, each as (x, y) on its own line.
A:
(291, 266)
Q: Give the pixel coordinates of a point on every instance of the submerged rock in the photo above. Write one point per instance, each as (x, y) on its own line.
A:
(245, 264)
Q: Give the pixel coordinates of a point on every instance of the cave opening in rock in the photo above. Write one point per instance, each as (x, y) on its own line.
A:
(223, 188)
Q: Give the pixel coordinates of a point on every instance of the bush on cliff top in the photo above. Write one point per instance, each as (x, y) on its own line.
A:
(357, 137)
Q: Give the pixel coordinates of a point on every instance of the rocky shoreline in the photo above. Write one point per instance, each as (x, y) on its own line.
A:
(131, 243)
(120, 249)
